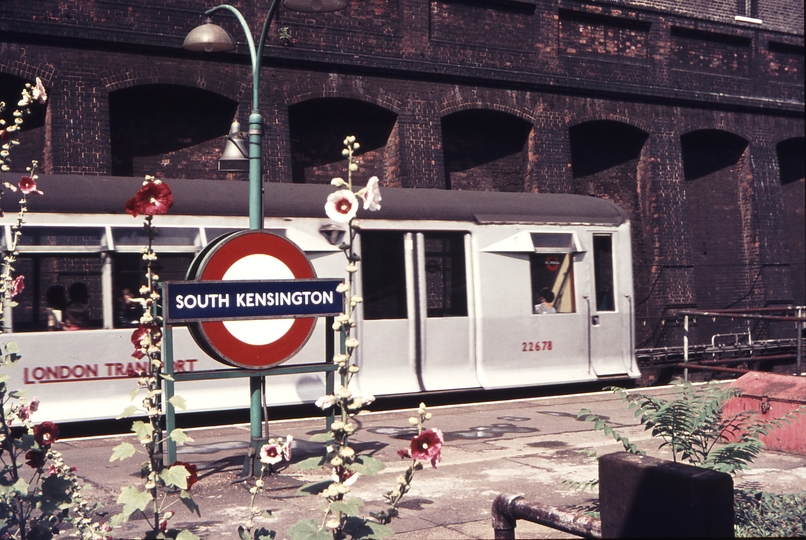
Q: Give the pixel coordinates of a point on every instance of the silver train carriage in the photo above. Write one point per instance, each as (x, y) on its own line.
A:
(451, 283)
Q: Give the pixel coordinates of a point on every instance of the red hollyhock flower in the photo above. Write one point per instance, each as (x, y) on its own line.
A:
(35, 459)
(152, 199)
(28, 185)
(46, 433)
(427, 446)
(17, 286)
(190, 468)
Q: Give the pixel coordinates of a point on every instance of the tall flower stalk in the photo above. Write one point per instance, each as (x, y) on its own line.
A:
(154, 501)
(341, 517)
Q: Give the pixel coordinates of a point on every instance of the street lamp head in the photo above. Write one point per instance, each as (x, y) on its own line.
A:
(315, 6)
(209, 37)
(236, 152)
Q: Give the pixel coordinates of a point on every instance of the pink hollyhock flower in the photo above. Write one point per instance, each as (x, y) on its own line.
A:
(34, 405)
(28, 185)
(341, 205)
(46, 433)
(152, 199)
(404, 453)
(137, 337)
(372, 195)
(192, 469)
(271, 454)
(427, 446)
(17, 286)
(350, 477)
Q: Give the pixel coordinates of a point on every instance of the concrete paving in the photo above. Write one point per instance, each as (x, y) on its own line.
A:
(527, 447)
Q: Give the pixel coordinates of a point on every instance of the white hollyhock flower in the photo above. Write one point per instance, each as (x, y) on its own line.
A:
(341, 206)
(372, 195)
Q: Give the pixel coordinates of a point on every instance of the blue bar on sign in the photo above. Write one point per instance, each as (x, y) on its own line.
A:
(196, 301)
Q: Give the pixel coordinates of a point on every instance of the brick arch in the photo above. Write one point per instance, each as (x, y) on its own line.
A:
(447, 107)
(29, 71)
(316, 90)
(130, 76)
(690, 127)
(573, 119)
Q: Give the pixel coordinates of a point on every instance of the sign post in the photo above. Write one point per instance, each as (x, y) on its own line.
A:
(251, 301)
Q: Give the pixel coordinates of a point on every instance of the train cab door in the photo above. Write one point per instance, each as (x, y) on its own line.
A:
(609, 317)
(415, 332)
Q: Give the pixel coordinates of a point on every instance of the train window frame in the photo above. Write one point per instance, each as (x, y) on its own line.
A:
(453, 270)
(541, 268)
(98, 232)
(379, 303)
(193, 237)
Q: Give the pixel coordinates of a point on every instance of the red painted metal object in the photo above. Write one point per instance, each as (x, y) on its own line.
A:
(774, 395)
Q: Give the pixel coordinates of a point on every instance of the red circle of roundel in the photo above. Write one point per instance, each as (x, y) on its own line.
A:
(226, 346)
(552, 263)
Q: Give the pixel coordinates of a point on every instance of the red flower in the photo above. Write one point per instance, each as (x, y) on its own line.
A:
(192, 469)
(35, 459)
(152, 199)
(17, 286)
(5, 136)
(28, 185)
(427, 446)
(46, 433)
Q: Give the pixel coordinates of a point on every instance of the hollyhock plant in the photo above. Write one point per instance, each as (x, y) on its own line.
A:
(17, 286)
(46, 433)
(341, 206)
(28, 185)
(35, 459)
(155, 197)
(427, 446)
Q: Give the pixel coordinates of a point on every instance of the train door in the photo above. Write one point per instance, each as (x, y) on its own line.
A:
(608, 318)
(415, 333)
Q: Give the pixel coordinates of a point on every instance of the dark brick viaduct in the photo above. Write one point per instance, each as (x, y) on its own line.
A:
(688, 113)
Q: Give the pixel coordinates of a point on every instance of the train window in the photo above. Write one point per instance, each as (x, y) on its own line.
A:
(128, 272)
(383, 275)
(554, 273)
(64, 238)
(165, 236)
(49, 282)
(445, 277)
(603, 272)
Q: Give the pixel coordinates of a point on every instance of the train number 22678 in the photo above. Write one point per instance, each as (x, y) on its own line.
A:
(536, 346)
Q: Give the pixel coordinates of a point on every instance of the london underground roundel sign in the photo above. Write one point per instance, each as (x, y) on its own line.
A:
(244, 265)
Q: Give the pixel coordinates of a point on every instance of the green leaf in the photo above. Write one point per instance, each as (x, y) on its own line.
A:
(122, 451)
(133, 500)
(350, 507)
(12, 347)
(366, 465)
(314, 488)
(178, 402)
(179, 436)
(186, 535)
(142, 430)
(307, 529)
(176, 476)
(311, 463)
(190, 504)
(358, 528)
(265, 534)
(320, 437)
(243, 534)
(128, 411)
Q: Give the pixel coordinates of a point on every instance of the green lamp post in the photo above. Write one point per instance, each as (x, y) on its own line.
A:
(210, 37)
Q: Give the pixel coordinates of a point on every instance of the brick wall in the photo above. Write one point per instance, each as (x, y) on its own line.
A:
(461, 94)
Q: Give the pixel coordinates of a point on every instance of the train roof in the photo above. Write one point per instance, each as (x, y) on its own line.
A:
(107, 195)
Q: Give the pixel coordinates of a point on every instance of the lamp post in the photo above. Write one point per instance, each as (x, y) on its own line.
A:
(210, 37)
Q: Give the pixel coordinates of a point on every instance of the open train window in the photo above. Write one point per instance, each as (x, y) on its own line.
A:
(445, 276)
(37, 238)
(553, 278)
(175, 237)
(603, 272)
(383, 275)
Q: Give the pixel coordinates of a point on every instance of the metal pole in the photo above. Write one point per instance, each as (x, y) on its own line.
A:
(799, 337)
(685, 346)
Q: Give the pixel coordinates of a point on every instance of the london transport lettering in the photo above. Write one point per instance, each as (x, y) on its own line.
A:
(94, 372)
(192, 301)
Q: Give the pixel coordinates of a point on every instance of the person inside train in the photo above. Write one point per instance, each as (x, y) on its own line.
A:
(77, 312)
(129, 310)
(56, 300)
(546, 301)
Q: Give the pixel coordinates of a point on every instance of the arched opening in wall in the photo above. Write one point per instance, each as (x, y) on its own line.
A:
(485, 150)
(791, 166)
(605, 159)
(32, 133)
(317, 128)
(716, 179)
(168, 130)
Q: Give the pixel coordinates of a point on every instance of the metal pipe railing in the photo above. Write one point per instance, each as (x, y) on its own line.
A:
(507, 509)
